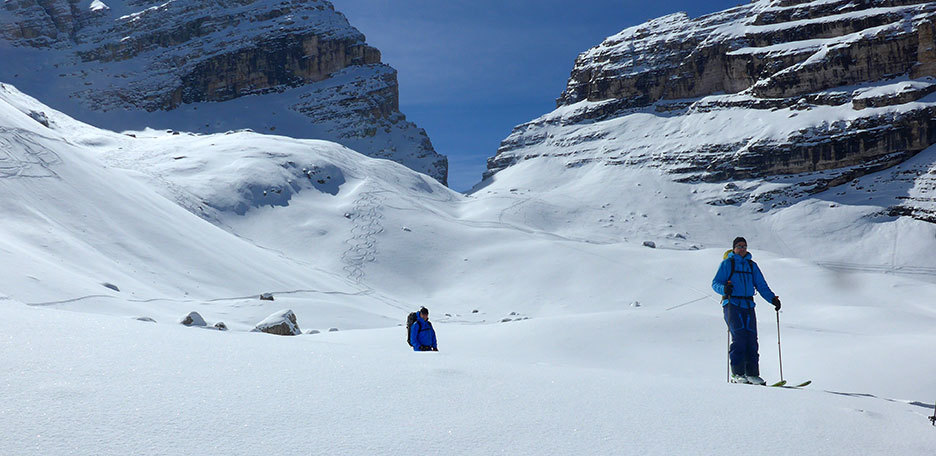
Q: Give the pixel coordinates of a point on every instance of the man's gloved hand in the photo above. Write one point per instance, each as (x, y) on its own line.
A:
(728, 288)
(776, 303)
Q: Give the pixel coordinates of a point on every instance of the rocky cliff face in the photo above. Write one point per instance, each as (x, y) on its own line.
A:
(838, 88)
(294, 67)
(778, 49)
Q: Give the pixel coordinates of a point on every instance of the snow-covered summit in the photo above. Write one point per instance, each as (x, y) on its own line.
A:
(296, 68)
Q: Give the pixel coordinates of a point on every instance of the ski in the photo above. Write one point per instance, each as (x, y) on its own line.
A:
(783, 384)
(780, 384)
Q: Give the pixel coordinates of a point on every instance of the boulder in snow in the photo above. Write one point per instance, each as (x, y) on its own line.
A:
(313, 331)
(650, 244)
(266, 297)
(193, 319)
(146, 319)
(220, 326)
(281, 323)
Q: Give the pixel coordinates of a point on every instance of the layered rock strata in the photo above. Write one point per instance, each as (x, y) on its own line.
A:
(771, 88)
(206, 66)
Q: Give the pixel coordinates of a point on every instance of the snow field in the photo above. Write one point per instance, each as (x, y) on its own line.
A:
(90, 384)
(611, 347)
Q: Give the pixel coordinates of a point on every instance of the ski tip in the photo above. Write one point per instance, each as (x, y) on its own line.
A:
(780, 383)
(804, 383)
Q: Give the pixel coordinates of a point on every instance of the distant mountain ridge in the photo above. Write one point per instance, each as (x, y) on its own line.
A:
(291, 67)
(832, 88)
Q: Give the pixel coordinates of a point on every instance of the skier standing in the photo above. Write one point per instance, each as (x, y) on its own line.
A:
(737, 278)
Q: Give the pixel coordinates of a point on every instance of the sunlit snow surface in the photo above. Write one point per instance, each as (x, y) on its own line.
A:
(559, 332)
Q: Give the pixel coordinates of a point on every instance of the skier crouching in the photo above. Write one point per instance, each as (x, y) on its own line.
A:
(422, 337)
(737, 278)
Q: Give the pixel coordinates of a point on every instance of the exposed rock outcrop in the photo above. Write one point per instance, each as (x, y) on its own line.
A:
(771, 88)
(281, 323)
(294, 67)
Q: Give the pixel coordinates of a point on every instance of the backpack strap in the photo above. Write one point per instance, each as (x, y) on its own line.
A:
(731, 259)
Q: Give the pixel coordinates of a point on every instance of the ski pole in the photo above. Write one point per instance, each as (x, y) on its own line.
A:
(728, 360)
(779, 351)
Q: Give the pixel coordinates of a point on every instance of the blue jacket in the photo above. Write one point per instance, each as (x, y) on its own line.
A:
(746, 278)
(421, 333)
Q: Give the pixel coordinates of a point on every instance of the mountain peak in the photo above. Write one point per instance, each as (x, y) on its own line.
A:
(831, 90)
(210, 66)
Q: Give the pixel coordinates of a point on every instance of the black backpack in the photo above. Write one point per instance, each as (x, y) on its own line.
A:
(410, 319)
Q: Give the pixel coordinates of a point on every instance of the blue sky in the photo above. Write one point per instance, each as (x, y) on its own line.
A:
(470, 71)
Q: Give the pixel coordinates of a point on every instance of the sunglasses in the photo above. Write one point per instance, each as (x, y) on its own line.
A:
(741, 246)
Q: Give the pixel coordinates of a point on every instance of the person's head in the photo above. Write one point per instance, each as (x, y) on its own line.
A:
(739, 246)
(424, 313)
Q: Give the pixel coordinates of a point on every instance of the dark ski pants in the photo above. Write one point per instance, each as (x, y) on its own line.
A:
(742, 354)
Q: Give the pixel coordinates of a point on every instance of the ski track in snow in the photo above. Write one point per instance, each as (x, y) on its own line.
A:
(174, 192)
(791, 385)
(35, 161)
(234, 298)
(366, 217)
(882, 268)
(775, 232)
(872, 396)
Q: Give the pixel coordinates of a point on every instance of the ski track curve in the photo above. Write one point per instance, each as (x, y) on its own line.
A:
(32, 160)
(366, 218)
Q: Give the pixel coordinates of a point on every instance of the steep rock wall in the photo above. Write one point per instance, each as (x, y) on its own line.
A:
(835, 88)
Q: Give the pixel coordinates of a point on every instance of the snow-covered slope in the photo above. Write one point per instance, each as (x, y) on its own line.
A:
(296, 68)
(556, 337)
(81, 234)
